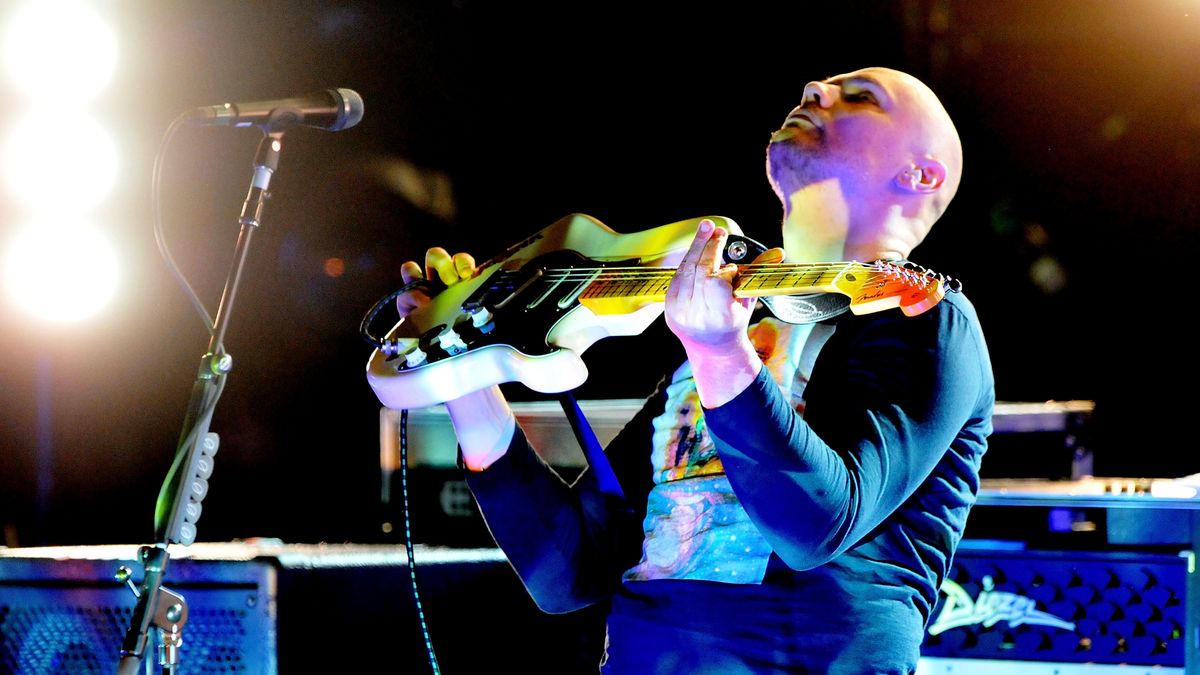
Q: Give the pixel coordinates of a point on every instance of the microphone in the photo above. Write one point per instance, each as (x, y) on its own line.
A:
(331, 110)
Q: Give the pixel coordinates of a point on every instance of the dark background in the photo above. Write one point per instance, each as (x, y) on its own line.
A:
(1072, 231)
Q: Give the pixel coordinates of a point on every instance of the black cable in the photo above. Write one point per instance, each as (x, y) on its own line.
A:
(160, 238)
(408, 545)
(364, 328)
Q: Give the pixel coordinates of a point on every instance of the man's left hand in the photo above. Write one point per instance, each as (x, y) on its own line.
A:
(710, 322)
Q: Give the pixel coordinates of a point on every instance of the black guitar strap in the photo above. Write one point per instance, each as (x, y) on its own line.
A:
(592, 451)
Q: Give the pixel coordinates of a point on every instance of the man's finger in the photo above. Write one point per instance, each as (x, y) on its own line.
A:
(710, 255)
(410, 272)
(703, 233)
(685, 274)
(464, 265)
(438, 262)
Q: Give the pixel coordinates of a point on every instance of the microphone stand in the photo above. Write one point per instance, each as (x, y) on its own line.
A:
(178, 506)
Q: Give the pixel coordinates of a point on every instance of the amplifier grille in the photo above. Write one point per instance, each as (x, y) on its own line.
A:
(1111, 607)
(77, 624)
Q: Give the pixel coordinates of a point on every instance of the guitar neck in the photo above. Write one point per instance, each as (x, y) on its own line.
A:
(619, 290)
(760, 281)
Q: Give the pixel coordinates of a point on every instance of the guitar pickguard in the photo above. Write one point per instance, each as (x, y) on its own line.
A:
(523, 305)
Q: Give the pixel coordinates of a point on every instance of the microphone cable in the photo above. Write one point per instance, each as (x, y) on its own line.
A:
(160, 237)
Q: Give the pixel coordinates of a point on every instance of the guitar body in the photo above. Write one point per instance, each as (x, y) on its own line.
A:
(519, 318)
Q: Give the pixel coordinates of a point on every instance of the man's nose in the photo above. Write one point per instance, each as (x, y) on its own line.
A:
(821, 93)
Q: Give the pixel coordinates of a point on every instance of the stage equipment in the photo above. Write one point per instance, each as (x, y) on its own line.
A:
(159, 610)
(331, 110)
(1106, 584)
(264, 607)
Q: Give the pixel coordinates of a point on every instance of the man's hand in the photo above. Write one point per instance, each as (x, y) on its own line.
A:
(482, 420)
(710, 322)
(701, 309)
(438, 262)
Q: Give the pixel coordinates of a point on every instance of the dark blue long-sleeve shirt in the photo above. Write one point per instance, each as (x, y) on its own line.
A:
(861, 502)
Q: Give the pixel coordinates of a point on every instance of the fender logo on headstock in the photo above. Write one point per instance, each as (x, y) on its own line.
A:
(872, 296)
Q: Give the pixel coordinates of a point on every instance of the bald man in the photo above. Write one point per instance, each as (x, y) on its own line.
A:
(793, 493)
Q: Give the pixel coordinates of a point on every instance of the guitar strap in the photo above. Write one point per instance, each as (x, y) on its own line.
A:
(592, 451)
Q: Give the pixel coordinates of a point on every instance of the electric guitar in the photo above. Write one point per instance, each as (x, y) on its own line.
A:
(528, 314)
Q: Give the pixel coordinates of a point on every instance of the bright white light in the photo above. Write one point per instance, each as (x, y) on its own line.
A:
(60, 160)
(60, 273)
(59, 50)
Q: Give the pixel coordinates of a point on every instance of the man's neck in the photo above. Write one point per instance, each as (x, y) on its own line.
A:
(816, 220)
(819, 225)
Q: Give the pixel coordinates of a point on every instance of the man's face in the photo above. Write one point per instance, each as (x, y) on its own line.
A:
(861, 128)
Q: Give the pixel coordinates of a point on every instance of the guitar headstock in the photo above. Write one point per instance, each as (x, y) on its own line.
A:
(911, 287)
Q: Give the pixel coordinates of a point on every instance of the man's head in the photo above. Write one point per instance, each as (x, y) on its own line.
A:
(881, 134)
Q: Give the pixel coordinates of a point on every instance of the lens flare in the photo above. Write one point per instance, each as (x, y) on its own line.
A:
(60, 272)
(60, 160)
(57, 50)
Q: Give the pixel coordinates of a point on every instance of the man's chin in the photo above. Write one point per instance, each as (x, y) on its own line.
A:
(788, 160)
(796, 147)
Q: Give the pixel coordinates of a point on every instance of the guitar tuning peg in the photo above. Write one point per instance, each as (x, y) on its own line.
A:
(954, 285)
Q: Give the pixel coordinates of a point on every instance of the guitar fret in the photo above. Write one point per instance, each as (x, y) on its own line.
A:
(653, 284)
(796, 278)
(622, 285)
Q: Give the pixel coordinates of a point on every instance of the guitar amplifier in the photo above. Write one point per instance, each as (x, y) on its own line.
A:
(266, 607)
(61, 611)
(1111, 607)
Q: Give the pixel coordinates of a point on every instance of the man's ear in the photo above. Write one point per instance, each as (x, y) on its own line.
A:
(922, 176)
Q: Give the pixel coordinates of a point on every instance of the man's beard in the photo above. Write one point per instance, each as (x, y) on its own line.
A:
(791, 166)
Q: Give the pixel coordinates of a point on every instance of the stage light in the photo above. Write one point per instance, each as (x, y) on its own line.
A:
(59, 160)
(60, 272)
(59, 50)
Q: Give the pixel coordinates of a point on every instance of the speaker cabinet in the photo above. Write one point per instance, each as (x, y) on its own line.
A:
(69, 615)
(267, 608)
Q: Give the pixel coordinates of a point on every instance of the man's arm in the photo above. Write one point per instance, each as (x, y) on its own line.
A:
(569, 543)
(484, 425)
(909, 387)
(482, 420)
(905, 388)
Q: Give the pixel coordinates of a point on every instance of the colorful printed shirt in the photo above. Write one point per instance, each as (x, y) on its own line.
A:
(695, 528)
(861, 502)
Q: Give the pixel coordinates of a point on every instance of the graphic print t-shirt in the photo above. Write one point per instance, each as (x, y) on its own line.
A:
(695, 528)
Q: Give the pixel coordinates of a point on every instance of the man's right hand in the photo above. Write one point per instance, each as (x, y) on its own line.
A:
(449, 269)
(482, 420)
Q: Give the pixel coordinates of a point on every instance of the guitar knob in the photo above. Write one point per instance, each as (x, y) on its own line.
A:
(451, 342)
(480, 316)
(415, 357)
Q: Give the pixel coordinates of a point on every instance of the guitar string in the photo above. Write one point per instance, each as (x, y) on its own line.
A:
(665, 274)
(609, 273)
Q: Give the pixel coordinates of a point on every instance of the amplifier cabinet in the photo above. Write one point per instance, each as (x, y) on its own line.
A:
(69, 615)
(1114, 608)
(263, 608)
